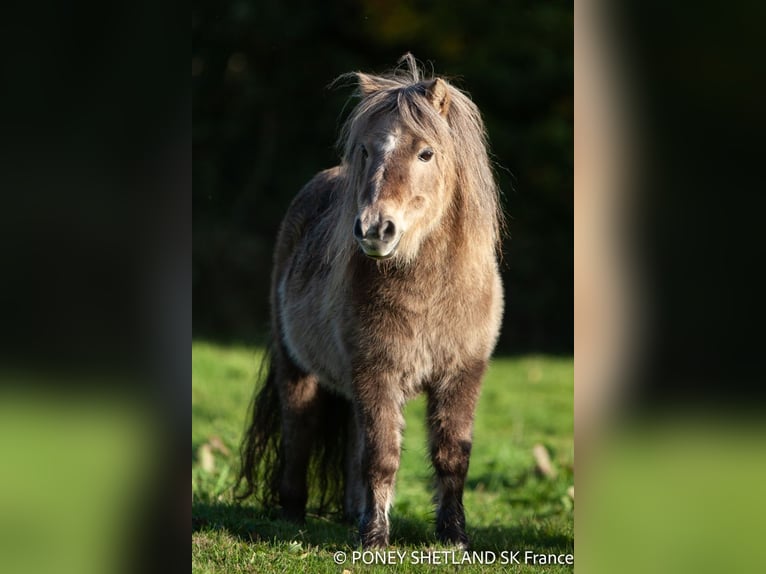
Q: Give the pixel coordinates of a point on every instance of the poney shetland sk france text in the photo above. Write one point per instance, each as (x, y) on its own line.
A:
(450, 557)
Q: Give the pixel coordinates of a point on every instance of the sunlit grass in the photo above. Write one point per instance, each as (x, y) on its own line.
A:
(509, 506)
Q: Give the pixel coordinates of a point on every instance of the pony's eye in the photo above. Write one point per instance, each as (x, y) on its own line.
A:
(364, 152)
(426, 154)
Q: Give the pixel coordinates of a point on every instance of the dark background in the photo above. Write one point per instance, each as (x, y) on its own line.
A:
(264, 121)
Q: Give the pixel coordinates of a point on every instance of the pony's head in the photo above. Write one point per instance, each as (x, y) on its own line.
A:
(409, 147)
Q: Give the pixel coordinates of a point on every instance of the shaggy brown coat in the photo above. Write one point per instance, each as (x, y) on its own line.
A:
(385, 285)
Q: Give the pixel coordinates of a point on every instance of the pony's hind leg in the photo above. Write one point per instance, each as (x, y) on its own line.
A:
(354, 488)
(300, 402)
(451, 406)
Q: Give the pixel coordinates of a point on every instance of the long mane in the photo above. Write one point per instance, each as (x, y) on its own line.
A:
(402, 91)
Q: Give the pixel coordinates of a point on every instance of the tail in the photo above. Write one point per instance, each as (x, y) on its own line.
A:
(261, 457)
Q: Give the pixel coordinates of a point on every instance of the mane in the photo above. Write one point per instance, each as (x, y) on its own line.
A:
(402, 91)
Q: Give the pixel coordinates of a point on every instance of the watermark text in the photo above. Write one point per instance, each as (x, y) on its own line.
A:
(450, 557)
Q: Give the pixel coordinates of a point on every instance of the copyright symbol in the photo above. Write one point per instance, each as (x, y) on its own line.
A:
(339, 557)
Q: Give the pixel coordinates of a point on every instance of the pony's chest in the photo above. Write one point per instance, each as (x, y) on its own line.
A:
(430, 327)
(423, 336)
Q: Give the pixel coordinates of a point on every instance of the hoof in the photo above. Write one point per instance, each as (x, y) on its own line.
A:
(454, 537)
(293, 515)
(373, 537)
(375, 541)
(373, 531)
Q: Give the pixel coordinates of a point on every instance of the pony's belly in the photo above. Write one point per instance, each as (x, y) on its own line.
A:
(310, 341)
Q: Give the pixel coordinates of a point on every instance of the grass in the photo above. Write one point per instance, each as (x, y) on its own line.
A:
(509, 506)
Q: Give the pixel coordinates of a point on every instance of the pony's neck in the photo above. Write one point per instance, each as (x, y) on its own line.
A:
(464, 241)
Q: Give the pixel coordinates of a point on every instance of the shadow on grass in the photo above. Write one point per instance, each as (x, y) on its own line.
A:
(493, 481)
(523, 537)
(252, 524)
(538, 536)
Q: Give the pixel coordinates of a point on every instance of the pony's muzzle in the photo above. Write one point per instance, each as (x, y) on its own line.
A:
(379, 238)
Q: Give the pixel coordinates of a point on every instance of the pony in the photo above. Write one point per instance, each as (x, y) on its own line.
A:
(385, 285)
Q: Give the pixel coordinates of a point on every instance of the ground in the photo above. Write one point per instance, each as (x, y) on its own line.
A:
(510, 505)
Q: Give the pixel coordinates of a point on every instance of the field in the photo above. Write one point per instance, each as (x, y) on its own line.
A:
(510, 504)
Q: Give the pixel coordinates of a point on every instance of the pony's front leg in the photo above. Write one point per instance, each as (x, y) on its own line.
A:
(451, 405)
(380, 414)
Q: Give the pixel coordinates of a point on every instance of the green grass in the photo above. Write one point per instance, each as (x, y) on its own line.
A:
(509, 506)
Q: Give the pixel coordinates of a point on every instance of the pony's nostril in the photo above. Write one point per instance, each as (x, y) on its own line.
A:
(387, 230)
(358, 229)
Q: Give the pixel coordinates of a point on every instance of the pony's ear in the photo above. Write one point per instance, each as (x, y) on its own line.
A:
(437, 93)
(368, 84)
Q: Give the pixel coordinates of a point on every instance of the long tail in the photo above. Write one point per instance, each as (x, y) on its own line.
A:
(259, 452)
(261, 457)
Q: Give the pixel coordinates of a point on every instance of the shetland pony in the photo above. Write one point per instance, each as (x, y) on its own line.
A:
(385, 285)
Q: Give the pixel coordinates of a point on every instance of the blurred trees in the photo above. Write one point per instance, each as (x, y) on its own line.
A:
(265, 122)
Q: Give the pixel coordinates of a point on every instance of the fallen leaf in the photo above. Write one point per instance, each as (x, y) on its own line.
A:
(216, 444)
(543, 464)
(205, 457)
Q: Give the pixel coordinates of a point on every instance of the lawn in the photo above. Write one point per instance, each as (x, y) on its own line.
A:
(510, 505)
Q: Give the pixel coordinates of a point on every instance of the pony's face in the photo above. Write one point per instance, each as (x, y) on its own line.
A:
(402, 187)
